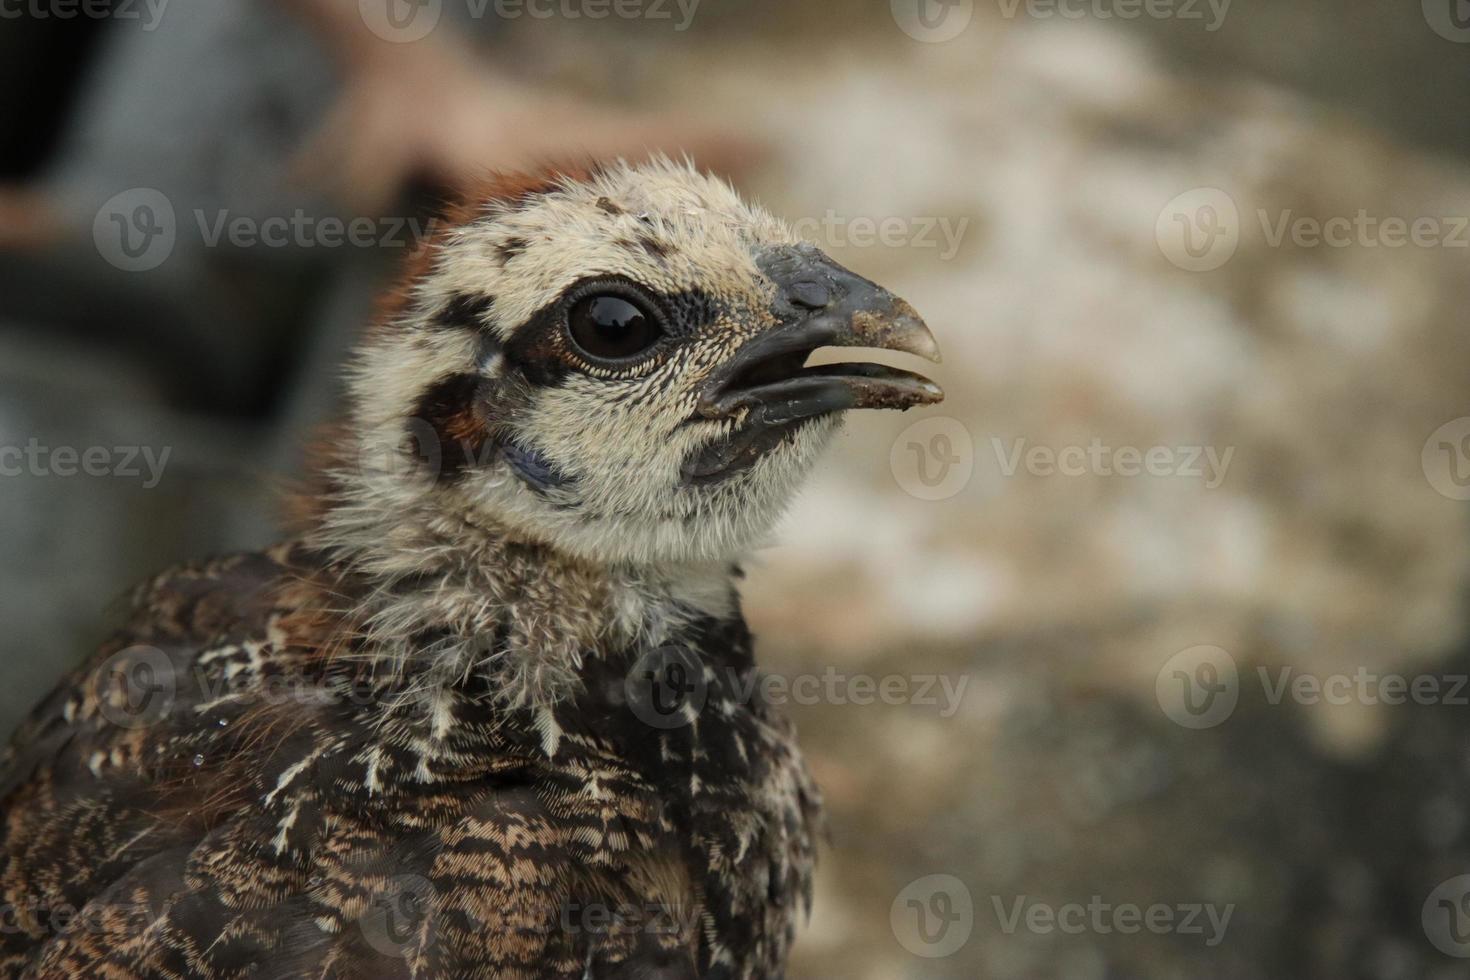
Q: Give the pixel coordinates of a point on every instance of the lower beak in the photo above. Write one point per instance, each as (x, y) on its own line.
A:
(821, 304)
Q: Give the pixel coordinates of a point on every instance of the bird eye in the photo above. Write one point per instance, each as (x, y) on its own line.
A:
(610, 327)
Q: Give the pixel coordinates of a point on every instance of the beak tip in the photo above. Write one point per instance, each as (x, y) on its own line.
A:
(926, 346)
(918, 338)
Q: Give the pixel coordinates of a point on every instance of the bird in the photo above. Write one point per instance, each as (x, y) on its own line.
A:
(487, 710)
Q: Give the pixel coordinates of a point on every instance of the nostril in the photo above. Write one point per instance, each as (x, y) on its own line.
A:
(810, 294)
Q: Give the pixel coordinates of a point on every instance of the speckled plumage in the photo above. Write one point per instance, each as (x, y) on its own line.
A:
(417, 739)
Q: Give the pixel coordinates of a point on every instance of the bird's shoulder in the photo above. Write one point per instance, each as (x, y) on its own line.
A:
(133, 679)
(84, 776)
(213, 789)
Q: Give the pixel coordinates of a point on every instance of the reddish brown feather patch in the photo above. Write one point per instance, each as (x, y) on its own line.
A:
(469, 205)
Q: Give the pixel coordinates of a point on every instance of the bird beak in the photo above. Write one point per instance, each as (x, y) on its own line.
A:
(821, 304)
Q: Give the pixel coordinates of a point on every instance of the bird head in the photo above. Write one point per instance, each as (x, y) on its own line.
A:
(615, 365)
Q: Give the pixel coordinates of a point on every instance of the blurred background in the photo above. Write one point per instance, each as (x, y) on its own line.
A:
(1173, 582)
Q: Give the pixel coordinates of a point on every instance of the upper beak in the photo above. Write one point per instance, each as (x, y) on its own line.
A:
(821, 304)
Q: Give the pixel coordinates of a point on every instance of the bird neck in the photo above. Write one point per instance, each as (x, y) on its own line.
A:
(433, 599)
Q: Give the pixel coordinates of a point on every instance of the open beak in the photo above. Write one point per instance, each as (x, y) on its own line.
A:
(768, 383)
(821, 304)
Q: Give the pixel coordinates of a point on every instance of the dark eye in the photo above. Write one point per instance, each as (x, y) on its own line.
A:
(609, 327)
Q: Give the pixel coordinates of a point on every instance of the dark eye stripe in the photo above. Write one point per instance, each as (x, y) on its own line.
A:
(450, 411)
(465, 312)
(533, 350)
